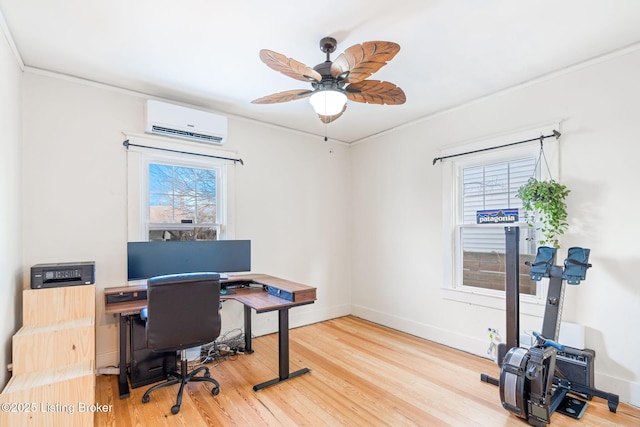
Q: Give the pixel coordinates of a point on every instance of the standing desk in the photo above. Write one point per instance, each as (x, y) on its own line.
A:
(264, 293)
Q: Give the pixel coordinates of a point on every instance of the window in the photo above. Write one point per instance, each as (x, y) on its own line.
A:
(183, 202)
(482, 247)
(178, 196)
(474, 257)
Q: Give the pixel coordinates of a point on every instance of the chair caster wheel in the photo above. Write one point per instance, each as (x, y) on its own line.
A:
(175, 409)
(145, 398)
(215, 391)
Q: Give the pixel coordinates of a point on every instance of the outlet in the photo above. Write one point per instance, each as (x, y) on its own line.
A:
(494, 341)
(494, 335)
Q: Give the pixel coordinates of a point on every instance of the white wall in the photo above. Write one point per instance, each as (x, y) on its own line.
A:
(10, 209)
(397, 271)
(291, 198)
(361, 223)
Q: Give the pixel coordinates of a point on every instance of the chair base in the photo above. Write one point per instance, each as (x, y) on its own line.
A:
(182, 378)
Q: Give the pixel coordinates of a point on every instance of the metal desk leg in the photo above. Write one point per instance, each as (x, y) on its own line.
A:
(283, 353)
(247, 330)
(123, 386)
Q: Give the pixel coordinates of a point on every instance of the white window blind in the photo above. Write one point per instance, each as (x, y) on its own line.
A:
(491, 186)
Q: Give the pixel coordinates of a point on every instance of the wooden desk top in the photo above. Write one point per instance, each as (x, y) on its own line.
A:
(255, 296)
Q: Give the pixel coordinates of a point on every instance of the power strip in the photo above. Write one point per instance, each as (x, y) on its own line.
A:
(108, 371)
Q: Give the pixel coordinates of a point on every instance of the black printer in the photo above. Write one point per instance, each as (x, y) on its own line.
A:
(62, 274)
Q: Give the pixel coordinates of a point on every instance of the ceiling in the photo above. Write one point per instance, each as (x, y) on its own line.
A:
(205, 52)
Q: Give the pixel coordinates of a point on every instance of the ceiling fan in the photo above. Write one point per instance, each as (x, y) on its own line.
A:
(334, 82)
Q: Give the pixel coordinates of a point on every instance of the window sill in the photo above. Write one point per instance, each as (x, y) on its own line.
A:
(528, 305)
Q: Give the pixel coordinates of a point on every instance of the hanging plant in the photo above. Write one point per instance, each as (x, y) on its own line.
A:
(543, 203)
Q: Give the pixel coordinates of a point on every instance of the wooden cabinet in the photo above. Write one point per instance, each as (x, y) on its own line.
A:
(53, 357)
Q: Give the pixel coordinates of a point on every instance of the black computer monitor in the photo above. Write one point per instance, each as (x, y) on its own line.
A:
(150, 259)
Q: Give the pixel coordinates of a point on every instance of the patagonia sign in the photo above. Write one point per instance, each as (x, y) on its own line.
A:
(497, 216)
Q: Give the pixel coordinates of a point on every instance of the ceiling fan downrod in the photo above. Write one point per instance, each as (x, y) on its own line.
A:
(328, 45)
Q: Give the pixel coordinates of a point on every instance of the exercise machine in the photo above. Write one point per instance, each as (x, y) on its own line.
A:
(531, 385)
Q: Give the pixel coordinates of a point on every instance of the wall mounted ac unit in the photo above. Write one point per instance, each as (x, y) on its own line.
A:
(186, 123)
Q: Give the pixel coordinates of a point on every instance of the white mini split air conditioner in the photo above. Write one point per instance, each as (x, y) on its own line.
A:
(186, 123)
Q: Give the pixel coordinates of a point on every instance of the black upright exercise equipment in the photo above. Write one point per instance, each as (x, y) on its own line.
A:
(531, 386)
(512, 297)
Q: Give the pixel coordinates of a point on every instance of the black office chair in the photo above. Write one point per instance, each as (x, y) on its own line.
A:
(182, 312)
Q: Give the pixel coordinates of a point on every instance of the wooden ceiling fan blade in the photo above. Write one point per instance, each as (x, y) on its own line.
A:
(288, 66)
(362, 60)
(333, 118)
(375, 92)
(286, 96)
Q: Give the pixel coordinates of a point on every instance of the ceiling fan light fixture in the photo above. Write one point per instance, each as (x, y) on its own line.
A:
(328, 102)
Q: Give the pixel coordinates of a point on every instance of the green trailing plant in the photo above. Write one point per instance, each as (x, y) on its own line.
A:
(544, 205)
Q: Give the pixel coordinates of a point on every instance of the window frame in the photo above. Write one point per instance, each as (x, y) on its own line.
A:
(452, 210)
(138, 160)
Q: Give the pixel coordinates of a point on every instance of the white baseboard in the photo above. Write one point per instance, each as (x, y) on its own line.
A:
(465, 343)
(106, 360)
(315, 315)
(629, 392)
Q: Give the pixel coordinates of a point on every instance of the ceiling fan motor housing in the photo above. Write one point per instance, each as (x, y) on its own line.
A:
(328, 81)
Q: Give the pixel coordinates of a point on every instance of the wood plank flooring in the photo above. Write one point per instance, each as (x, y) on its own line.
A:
(362, 374)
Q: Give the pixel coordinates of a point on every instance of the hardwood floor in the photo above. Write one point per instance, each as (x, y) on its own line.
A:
(362, 374)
